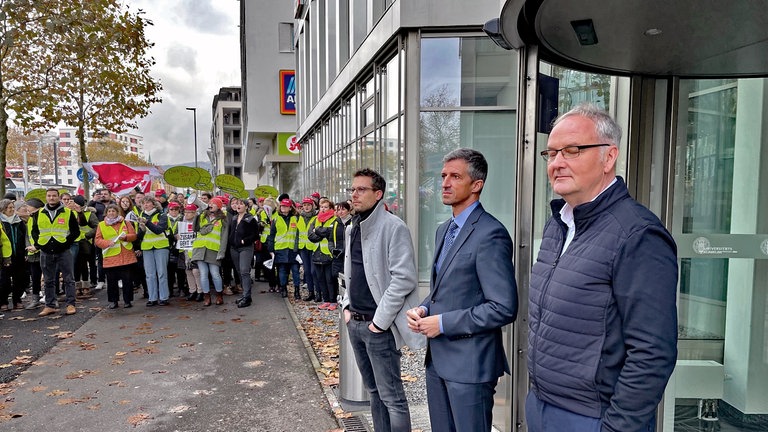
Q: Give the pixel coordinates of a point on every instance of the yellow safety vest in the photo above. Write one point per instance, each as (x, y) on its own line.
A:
(84, 228)
(152, 240)
(110, 233)
(304, 242)
(285, 237)
(56, 229)
(212, 240)
(264, 218)
(7, 248)
(172, 226)
(323, 245)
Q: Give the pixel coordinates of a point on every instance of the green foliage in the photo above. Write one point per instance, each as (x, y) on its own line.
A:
(113, 151)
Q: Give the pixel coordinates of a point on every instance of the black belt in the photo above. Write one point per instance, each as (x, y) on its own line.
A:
(361, 317)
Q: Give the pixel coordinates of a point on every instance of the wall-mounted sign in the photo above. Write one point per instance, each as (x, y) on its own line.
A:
(288, 92)
(287, 144)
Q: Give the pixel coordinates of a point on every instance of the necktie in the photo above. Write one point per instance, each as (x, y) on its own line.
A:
(450, 236)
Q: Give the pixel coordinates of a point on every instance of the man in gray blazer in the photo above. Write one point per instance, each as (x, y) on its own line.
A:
(380, 276)
(473, 295)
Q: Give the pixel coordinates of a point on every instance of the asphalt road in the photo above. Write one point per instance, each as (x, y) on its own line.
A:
(24, 336)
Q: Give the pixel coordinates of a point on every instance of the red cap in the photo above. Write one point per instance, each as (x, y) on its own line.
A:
(224, 199)
(307, 200)
(286, 202)
(159, 192)
(190, 207)
(173, 205)
(261, 199)
(316, 194)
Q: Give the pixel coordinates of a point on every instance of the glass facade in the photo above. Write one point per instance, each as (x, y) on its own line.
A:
(719, 223)
(468, 95)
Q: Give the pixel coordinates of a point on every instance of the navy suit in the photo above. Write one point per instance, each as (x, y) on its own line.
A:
(475, 293)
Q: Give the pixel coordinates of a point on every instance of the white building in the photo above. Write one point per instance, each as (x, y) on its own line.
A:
(225, 153)
(270, 153)
(68, 150)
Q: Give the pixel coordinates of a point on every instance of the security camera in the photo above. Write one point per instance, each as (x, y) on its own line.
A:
(493, 29)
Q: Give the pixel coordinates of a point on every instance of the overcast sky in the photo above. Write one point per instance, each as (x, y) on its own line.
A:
(197, 51)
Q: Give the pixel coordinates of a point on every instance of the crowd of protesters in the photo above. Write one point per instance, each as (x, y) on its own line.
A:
(162, 245)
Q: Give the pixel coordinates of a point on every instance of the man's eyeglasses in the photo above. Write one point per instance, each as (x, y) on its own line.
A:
(568, 152)
(359, 190)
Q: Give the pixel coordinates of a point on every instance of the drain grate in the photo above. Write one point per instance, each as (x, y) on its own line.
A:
(354, 424)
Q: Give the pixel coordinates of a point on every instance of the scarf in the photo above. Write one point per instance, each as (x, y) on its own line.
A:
(14, 219)
(112, 221)
(324, 216)
(151, 212)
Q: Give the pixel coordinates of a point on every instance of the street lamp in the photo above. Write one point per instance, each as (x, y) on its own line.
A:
(194, 113)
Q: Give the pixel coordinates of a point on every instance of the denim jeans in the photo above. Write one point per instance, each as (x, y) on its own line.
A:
(378, 359)
(282, 273)
(215, 272)
(156, 272)
(241, 258)
(306, 258)
(51, 265)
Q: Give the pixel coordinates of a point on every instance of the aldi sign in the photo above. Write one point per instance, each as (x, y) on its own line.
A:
(288, 92)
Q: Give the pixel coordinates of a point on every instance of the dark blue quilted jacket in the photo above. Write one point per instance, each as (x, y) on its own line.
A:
(603, 319)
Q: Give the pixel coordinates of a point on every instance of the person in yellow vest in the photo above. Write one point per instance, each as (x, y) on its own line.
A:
(115, 237)
(185, 235)
(85, 245)
(283, 244)
(306, 247)
(176, 274)
(327, 232)
(154, 250)
(265, 215)
(14, 278)
(209, 248)
(33, 256)
(54, 230)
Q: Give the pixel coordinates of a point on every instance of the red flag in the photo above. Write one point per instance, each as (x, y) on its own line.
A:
(119, 178)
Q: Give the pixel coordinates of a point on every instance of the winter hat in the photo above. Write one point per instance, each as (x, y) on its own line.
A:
(36, 203)
(79, 200)
(216, 201)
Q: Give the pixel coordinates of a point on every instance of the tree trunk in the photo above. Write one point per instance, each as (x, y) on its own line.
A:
(3, 144)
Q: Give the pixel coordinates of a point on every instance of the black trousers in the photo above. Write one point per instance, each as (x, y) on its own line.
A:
(115, 274)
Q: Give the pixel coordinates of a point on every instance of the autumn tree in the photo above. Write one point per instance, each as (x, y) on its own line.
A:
(107, 84)
(113, 151)
(31, 32)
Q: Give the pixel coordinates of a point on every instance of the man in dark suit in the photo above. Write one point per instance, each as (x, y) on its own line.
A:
(473, 295)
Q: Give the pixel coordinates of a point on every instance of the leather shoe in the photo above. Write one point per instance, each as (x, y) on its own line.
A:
(244, 302)
(47, 311)
(70, 310)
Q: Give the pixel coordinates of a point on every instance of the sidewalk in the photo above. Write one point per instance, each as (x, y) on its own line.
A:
(177, 368)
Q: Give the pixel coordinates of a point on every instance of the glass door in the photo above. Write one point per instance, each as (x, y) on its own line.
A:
(719, 219)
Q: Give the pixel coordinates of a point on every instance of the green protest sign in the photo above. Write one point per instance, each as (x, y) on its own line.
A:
(204, 182)
(36, 193)
(265, 191)
(229, 183)
(181, 176)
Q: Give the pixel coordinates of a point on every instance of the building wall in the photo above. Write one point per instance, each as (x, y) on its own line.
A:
(69, 150)
(262, 60)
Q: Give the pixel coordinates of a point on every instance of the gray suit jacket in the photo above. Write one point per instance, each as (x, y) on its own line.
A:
(390, 268)
(476, 294)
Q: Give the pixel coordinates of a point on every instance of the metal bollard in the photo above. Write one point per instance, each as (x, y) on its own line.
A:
(351, 388)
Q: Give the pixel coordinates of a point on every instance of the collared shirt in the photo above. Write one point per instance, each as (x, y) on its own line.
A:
(459, 220)
(566, 215)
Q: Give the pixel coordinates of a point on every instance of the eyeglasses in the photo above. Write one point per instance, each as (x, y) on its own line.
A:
(359, 190)
(568, 152)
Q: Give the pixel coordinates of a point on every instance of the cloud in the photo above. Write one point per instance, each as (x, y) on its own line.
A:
(203, 17)
(197, 49)
(183, 57)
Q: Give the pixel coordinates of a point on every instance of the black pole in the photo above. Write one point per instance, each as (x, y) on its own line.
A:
(55, 162)
(194, 119)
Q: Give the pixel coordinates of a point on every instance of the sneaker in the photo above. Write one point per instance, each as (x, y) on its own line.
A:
(33, 304)
(332, 307)
(163, 303)
(119, 284)
(70, 310)
(47, 311)
(100, 285)
(324, 305)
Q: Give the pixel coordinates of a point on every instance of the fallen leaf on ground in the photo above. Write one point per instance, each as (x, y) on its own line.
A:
(73, 401)
(137, 419)
(135, 372)
(21, 360)
(6, 336)
(36, 389)
(252, 364)
(63, 335)
(178, 409)
(80, 374)
(252, 383)
(56, 393)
